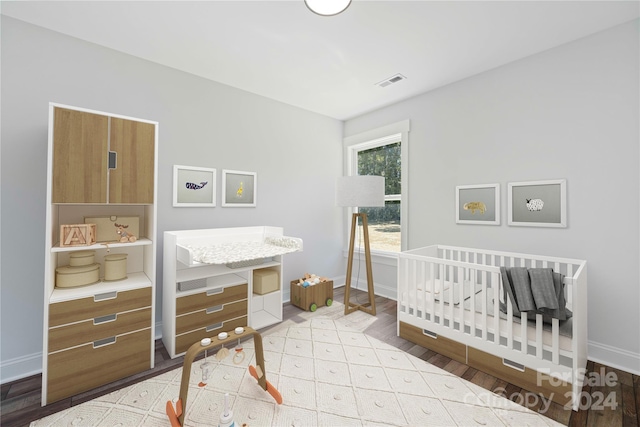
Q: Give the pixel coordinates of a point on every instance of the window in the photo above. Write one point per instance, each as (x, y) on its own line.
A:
(385, 156)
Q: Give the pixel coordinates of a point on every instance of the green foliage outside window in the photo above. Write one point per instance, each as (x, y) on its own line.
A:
(383, 161)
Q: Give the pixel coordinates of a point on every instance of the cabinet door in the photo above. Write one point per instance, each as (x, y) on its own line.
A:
(132, 179)
(80, 142)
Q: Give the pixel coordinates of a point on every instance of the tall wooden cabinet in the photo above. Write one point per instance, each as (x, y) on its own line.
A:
(99, 164)
(102, 159)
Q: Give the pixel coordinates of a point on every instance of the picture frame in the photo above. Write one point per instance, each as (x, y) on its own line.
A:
(194, 186)
(538, 203)
(478, 204)
(239, 189)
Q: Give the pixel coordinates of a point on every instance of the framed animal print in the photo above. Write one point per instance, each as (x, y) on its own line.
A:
(194, 186)
(239, 189)
(538, 203)
(478, 204)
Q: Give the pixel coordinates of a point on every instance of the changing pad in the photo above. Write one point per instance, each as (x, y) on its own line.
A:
(232, 252)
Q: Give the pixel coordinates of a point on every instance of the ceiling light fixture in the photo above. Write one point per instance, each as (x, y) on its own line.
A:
(327, 7)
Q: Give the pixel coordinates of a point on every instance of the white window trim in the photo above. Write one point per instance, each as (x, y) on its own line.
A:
(375, 137)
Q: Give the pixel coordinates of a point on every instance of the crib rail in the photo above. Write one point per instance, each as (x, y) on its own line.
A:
(457, 292)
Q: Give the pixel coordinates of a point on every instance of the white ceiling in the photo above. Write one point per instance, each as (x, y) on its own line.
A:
(329, 65)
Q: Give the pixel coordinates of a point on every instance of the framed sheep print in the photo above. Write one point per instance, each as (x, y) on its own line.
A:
(239, 189)
(538, 203)
(478, 204)
(194, 186)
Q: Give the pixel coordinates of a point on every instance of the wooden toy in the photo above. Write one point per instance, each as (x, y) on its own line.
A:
(125, 236)
(176, 414)
(77, 235)
(312, 292)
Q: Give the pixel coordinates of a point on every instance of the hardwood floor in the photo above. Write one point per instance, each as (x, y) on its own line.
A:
(609, 405)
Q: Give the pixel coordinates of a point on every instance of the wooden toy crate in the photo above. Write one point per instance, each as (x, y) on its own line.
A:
(313, 296)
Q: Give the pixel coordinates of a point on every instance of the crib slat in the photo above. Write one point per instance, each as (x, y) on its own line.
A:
(431, 302)
(442, 291)
(483, 292)
(418, 289)
(539, 336)
(451, 280)
(485, 320)
(524, 344)
(460, 301)
(403, 283)
(569, 295)
(495, 285)
(509, 323)
(555, 341)
(472, 280)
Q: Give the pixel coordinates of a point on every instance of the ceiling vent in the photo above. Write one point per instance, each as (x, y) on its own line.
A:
(391, 80)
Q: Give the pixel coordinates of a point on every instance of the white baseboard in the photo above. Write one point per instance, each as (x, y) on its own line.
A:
(20, 367)
(380, 289)
(614, 357)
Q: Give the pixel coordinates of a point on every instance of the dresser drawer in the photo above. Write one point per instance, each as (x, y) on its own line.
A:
(184, 341)
(61, 313)
(211, 315)
(437, 343)
(98, 328)
(73, 371)
(528, 379)
(210, 298)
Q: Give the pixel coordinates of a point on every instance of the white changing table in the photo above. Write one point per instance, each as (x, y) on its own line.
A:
(201, 299)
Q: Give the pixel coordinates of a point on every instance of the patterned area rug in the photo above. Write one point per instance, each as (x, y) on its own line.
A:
(329, 374)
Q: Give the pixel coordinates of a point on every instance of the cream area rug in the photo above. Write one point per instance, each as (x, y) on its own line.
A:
(329, 374)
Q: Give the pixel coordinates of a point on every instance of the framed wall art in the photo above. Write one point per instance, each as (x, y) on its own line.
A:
(194, 186)
(538, 203)
(239, 189)
(478, 204)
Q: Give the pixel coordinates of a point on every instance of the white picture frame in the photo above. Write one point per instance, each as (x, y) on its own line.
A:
(538, 203)
(478, 204)
(194, 187)
(239, 189)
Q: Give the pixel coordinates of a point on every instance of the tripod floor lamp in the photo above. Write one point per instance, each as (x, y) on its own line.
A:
(359, 191)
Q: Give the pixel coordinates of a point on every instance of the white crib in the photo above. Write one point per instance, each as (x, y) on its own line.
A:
(446, 303)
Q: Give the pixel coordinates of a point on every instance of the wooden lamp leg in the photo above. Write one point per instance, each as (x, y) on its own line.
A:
(368, 307)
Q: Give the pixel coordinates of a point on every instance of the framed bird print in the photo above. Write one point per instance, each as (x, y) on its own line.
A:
(239, 189)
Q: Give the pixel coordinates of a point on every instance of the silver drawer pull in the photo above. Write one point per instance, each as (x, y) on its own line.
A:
(103, 342)
(105, 296)
(215, 291)
(515, 365)
(214, 327)
(430, 334)
(105, 319)
(214, 309)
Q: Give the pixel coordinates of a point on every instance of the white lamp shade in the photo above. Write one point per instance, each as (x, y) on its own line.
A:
(360, 191)
(327, 7)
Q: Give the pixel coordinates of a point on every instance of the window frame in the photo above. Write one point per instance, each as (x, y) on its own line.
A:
(375, 138)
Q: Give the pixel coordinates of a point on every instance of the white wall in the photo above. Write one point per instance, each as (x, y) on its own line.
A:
(296, 153)
(571, 112)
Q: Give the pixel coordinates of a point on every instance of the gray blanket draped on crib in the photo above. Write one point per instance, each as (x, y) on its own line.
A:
(534, 291)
